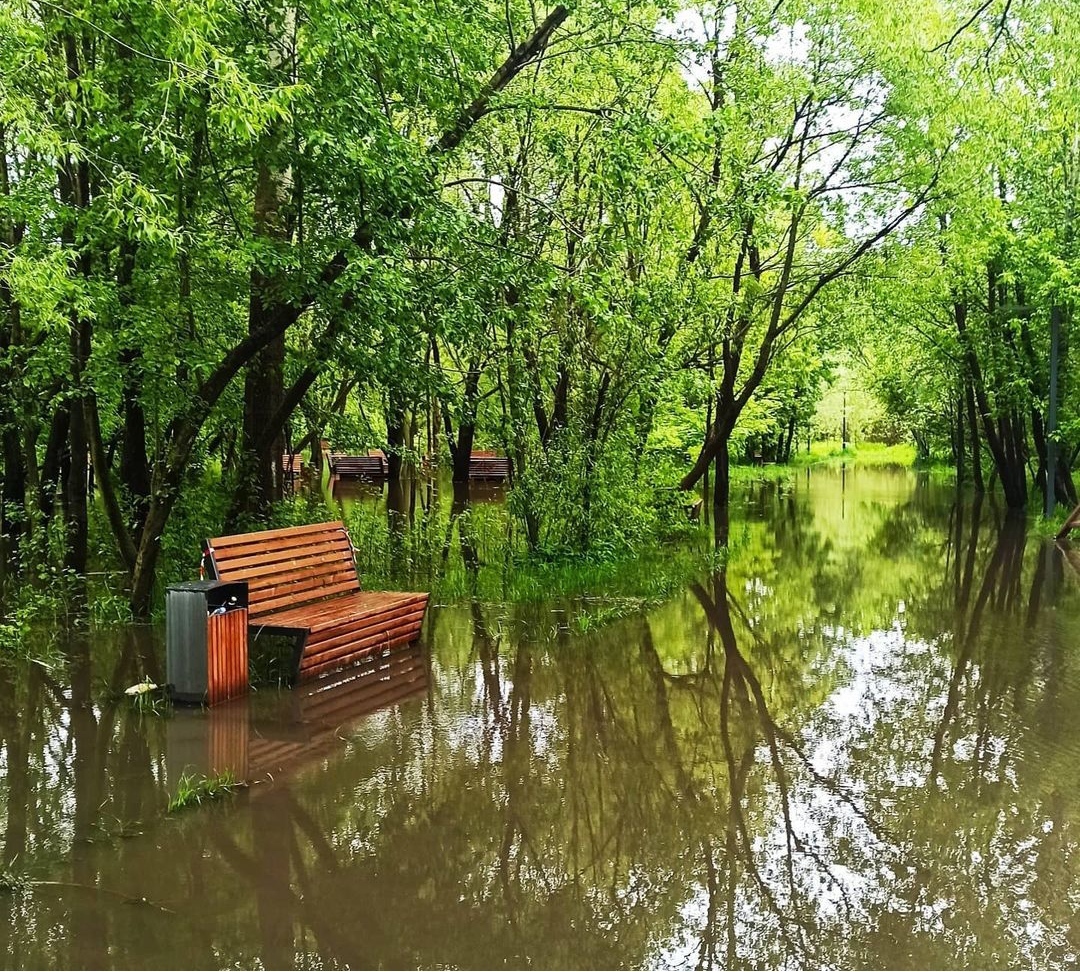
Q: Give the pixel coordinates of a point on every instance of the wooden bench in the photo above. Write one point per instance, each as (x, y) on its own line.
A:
(302, 583)
(487, 465)
(292, 468)
(292, 465)
(371, 466)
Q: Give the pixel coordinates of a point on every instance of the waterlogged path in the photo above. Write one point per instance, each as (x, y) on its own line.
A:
(857, 746)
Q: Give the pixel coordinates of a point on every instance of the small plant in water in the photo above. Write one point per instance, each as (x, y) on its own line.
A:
(192, 789)
(12, 882)
(146, 697)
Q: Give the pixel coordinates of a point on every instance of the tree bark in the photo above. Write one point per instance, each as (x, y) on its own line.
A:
(395, 439)
(134, 462)
(976, 447)
(278, 316)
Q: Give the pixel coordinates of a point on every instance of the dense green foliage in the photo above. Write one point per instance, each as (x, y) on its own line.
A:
(601, 238)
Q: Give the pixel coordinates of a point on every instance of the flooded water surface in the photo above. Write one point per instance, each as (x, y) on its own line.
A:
(855, 745)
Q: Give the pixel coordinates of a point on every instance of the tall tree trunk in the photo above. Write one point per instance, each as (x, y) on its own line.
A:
(1002, 439)
(462, 450)
(261, 476)
(134, 462)
(395, 439)
(14, 488)
(722, 486)
(976, 447)
(76, 485)
(73, 180)
(54, 465)
(261, 480)
(14, 471)
(958, 440)
(790, 441)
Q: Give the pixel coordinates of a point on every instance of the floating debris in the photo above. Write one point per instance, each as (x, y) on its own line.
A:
(141, 689)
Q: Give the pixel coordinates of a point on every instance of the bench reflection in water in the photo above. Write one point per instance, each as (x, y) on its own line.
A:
(281, 731)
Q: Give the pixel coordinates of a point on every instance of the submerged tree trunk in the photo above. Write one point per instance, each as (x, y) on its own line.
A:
(14, 471)
(77, 478)
(958, 440)
(134, 462)
(722, 467)
(1005, 438)
(462, 451)
(976, 448)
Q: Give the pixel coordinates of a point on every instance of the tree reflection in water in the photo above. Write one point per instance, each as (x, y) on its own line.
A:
(851, 746)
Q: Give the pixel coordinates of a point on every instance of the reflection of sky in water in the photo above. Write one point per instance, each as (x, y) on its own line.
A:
(548, 798)
(870, 751)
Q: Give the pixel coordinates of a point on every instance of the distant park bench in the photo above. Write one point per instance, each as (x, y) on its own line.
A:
(302, 583)
(371, 466)
(292, 468)
(487, 465)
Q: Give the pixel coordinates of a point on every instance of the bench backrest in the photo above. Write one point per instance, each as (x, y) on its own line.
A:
(488, 466)
(372, 462)
(287, 568)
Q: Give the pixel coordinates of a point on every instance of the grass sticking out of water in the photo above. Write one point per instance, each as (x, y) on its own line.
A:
(623, 607)
(650, 577)
(150, 700)
(1048, 527)
(864, 453)
(193, 790)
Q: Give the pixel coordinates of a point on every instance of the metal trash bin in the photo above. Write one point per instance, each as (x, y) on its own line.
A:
(206, 641)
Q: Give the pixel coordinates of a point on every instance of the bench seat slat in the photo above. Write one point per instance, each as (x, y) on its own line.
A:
(362, 629)
(486, 465)
(371, 645)
(405, 614)
(356, 607)
(343, 643)
(287, 596)
(373, 465)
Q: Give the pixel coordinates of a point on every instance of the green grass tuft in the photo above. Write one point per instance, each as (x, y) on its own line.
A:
(864, 453)
(193, 790)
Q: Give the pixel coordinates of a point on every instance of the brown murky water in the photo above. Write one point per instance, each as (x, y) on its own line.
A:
(857, 746)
